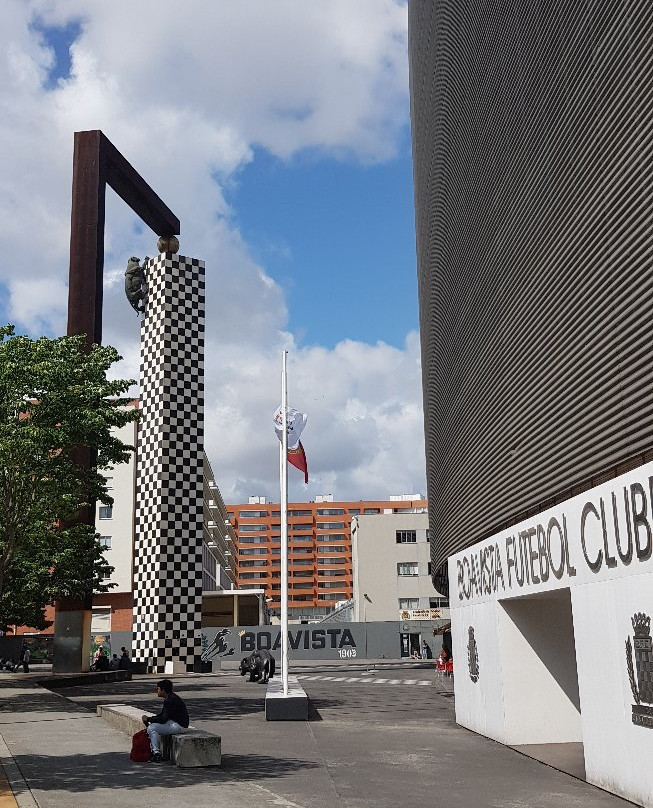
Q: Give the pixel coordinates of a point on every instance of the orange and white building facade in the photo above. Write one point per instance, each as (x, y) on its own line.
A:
(320, 566)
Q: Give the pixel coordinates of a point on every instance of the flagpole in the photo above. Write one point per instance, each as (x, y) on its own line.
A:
(284, 525)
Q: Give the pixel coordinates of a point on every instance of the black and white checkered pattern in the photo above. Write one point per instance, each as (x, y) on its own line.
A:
(644, 666)
(168, 547)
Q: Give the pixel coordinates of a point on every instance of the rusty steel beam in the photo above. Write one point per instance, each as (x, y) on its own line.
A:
(96, 164)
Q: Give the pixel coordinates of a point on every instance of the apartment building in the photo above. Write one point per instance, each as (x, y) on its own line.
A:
(320, 567)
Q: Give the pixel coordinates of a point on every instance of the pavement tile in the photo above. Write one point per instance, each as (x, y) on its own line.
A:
(372, 742)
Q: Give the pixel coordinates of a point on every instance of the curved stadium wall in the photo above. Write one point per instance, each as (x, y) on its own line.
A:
(533, 164)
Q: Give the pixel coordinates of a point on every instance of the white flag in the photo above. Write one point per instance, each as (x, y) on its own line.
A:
(295, 422)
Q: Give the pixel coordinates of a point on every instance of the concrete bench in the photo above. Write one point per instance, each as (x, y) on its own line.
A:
(194, 747)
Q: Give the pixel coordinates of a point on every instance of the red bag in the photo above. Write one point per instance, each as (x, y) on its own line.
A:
(140, 747)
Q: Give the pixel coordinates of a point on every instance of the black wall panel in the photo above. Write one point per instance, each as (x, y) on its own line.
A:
(532, 135)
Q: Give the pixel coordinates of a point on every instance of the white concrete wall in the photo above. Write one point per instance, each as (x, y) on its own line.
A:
(553, 664)
(540, 685)
(618, 754)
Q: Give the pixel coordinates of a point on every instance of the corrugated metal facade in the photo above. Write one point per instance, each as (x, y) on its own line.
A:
(532, 134)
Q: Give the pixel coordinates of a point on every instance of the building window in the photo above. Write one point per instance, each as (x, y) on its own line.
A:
(407, 568)
(332, 549)
(371, 510)
(354, 511)
(252, 528)
(252, 540)
(101, 620)
(438, 603)
(332, 561)
(300, 513)
(302, 586)
(258, 562)
(252, 551)
(302, 562)
(331, 573)
(105, 541)
(109, 481)
(409, 603)
(329, 584)
(428, 571)
(428, 535)
(330, 511)
(330, 537)
(331, 526)
(251, 515)
(249, 575)
(332, 596)
(406, 536)
(105, 511)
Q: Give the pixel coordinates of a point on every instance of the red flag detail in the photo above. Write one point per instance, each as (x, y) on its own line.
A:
(297, 458)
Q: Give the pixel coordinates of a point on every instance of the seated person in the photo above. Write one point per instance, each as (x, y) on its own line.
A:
(101, 662)
(172, 720)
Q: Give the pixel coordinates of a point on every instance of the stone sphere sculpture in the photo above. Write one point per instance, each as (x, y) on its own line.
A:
(168, 244)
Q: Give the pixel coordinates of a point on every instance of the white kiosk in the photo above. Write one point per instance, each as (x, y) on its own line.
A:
(551, 626)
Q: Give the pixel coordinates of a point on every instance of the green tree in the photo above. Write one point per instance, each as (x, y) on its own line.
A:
(56, 407)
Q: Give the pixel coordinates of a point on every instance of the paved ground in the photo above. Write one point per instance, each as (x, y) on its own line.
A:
(384, 739)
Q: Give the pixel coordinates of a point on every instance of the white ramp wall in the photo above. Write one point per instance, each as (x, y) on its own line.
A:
(552, 636)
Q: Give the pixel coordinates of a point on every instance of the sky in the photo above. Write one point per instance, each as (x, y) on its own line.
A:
(278, 131)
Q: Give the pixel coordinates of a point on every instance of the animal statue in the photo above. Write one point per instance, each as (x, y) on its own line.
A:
(136, 284)
(218, 646)
(260, 665)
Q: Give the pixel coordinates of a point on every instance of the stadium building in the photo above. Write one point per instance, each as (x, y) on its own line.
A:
(532, 136)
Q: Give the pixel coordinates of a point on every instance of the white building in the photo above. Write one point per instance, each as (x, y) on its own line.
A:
(392, 576)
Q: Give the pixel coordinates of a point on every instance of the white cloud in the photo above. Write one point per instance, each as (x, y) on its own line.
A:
(187, 95)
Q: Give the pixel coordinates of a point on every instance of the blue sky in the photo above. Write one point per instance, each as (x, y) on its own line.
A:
(340, 238)
(284, 148)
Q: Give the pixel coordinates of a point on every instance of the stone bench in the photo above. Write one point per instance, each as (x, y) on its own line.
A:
(194, 747)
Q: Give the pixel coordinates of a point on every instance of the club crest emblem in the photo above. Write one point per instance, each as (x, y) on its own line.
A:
(642, 684)
(472, 656)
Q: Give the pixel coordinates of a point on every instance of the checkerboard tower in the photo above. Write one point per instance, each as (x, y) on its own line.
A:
(168, 551)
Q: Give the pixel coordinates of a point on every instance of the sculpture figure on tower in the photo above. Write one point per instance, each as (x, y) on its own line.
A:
(136, 284)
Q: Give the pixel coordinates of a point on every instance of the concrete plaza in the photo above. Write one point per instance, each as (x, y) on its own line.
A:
(379, 738)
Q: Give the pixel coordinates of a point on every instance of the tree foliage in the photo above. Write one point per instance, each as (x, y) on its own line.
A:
(56, 406)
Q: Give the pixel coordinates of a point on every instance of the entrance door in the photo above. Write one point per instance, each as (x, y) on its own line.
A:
(409, 643)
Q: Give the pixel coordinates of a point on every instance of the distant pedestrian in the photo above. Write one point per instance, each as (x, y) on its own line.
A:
(26, 656)
(125, 663)
(102, 661)
(114, 663)
(425, 651)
